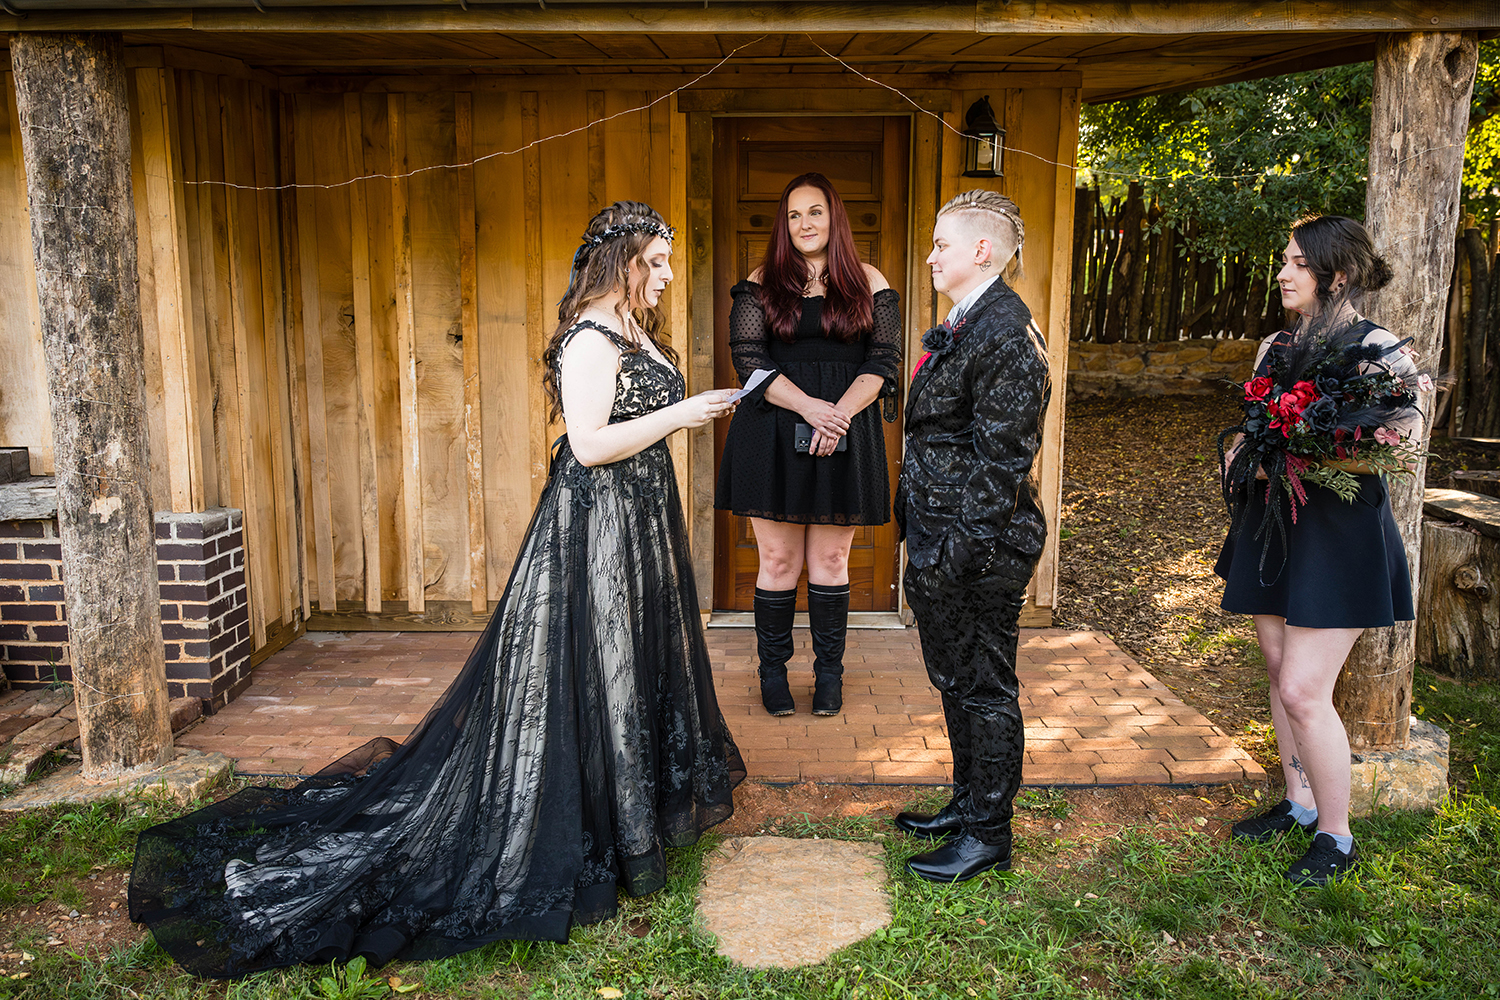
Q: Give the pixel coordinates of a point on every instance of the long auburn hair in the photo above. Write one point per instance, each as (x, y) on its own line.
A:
(848, 307)
(602, 267)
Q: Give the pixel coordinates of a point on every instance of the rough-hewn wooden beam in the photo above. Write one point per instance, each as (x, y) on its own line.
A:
(75, 133)
(364, 351)
(167, 225)
(1420, 116)
(406, 354)
(1204, 17)
(1036, 17)
(864, 99)
(536, 316)
(1059, 298)
(468, 283)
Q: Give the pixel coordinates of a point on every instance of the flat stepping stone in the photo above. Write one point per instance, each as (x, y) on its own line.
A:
(779, 902)
(189, 776)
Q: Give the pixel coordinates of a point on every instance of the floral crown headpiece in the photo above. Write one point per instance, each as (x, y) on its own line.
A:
(625, 228)
(618, 229)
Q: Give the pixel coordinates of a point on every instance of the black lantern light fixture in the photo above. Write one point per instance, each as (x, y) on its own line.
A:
(984, 141)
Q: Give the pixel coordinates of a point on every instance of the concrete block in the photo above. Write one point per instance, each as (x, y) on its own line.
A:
(1414, 778)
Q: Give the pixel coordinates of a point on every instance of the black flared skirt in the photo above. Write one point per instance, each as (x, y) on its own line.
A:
(762, 475)
(1341, 565)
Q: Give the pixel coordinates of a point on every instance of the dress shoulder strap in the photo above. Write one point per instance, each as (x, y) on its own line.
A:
(587, 324)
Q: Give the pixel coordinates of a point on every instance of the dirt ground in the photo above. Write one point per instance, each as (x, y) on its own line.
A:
(1142, 522)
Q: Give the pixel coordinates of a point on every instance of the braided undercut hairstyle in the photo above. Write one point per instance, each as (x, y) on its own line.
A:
(991, 215)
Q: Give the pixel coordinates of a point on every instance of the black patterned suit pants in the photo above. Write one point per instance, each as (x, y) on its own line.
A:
(970, 630)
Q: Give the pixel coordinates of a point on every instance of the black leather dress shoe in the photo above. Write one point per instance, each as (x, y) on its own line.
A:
(961, 859)
(931, 827)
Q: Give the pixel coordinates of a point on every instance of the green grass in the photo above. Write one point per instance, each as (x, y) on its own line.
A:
(1152, 913)
(1471, 715)
(44, 853)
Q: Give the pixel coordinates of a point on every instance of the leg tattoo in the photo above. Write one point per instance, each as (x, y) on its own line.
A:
(1301, 774)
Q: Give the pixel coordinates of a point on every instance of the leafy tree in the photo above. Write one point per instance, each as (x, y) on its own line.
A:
(1481, 181)
(1246, 159)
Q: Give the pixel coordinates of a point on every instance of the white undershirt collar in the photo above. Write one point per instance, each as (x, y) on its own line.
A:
(966, 303)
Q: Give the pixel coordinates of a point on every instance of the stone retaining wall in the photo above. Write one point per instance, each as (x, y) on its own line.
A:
(1193, 367)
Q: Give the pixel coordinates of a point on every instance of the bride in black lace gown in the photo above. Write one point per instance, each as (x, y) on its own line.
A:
(580, 740)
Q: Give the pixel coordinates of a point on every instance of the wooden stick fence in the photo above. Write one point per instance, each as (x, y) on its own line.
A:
(1137, 280)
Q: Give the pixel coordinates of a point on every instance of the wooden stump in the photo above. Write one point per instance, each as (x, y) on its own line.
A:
(1486, 483)
(1458, 626)
(75, 137)
(1419, 117)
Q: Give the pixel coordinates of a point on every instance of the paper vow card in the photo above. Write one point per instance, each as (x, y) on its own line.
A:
(756, 378)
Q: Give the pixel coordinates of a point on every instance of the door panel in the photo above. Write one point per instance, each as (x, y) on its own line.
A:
(866, 159)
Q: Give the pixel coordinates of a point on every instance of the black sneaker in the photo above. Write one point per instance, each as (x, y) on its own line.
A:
(1323, 863)
(1268, 825)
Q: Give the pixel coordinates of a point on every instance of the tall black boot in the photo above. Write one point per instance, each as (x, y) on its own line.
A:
(828, 618)
(774, 612)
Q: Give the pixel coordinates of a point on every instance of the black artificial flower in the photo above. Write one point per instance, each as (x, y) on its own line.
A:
(940, 339)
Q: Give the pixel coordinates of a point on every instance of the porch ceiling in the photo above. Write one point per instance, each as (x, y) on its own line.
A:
(1116, 50)
(1110, 66)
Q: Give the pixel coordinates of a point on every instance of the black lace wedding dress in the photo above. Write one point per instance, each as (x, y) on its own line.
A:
(581, 738)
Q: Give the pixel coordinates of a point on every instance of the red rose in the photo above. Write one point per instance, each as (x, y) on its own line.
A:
(1286, 408)
(1256, 389)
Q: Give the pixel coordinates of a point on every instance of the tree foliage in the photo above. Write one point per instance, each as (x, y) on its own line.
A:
(1247, 159)
(1482, 150)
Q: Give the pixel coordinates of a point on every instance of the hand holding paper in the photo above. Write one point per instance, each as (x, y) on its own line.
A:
(756, 378)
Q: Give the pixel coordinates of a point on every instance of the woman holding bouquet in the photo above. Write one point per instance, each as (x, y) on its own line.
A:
(1313, 551)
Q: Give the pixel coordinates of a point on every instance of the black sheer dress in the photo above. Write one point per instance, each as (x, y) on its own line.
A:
(761, 474)
(581, 738)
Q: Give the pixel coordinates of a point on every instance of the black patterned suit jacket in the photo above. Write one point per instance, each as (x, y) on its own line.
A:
(967, 500)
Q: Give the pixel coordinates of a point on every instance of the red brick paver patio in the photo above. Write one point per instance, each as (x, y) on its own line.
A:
(1093, 716)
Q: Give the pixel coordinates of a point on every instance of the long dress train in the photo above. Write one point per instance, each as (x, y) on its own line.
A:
(581, 738)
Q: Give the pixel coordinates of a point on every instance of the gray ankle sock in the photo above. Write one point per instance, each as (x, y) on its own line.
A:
(1343, 841)
(1302, 814)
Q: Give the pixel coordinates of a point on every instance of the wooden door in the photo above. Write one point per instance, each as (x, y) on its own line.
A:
(866, 158)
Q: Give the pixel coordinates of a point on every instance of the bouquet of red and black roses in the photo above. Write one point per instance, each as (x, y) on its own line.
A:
(1329, 395)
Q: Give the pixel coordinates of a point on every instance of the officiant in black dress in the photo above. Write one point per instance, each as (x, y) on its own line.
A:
(804, 458)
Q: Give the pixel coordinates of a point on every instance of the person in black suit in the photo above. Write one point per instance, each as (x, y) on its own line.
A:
(967, 507)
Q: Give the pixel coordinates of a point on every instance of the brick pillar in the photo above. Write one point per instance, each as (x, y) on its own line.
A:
(205, 611)
(33, 629)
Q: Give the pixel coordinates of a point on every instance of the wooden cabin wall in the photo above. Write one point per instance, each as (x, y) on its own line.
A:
(522, 212)
(25, 414)
(313, 351)
(213, 316)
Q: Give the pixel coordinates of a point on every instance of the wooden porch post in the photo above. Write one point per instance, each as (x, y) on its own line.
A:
(75, 135)
(1423, 83)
